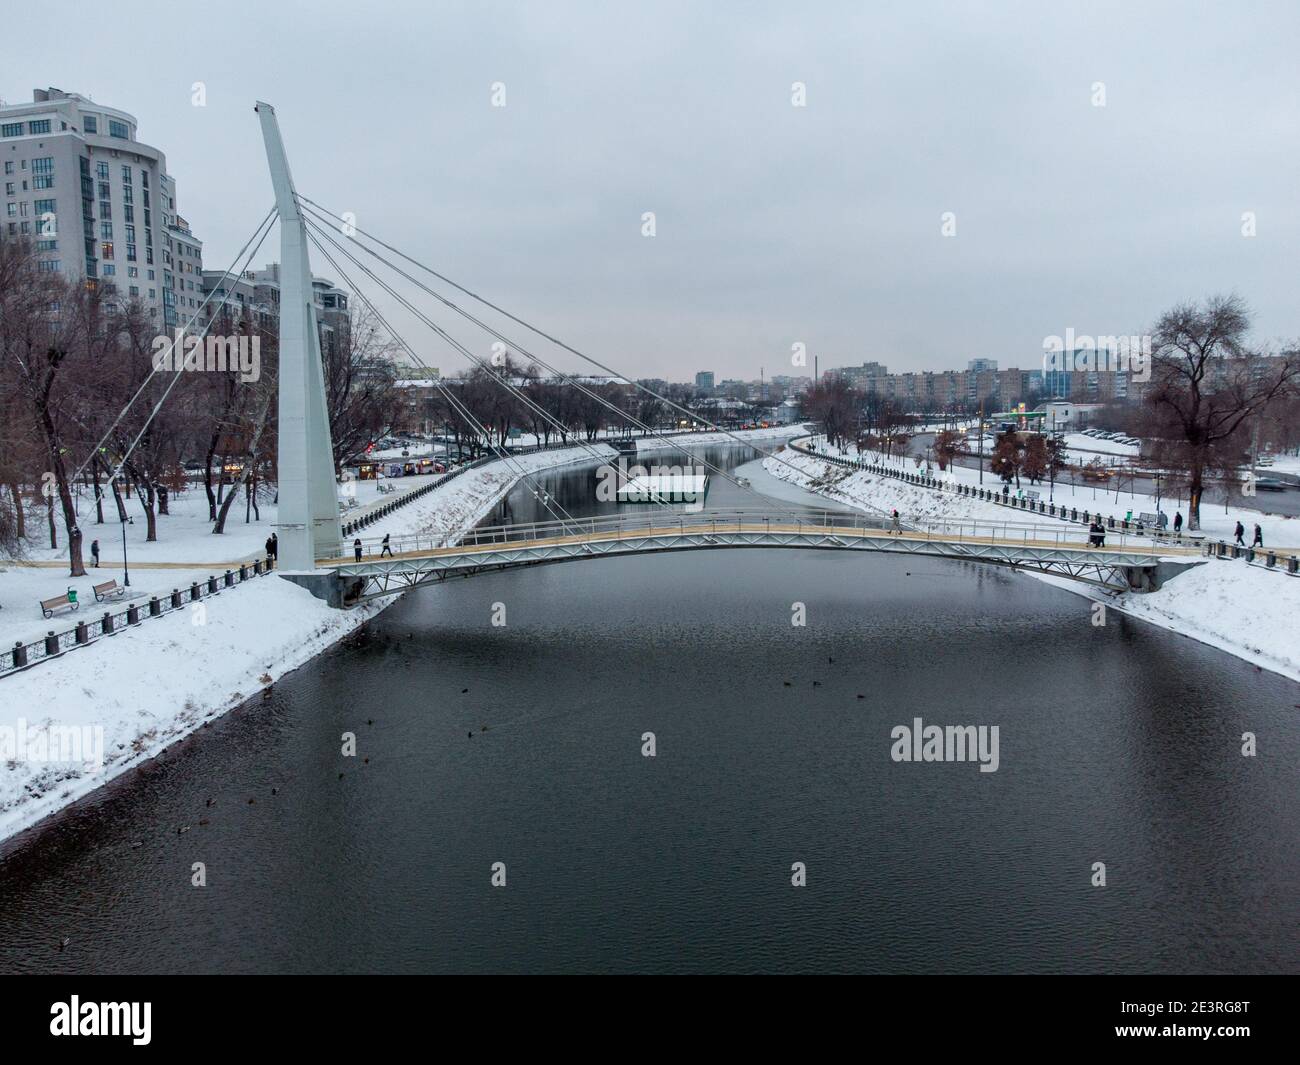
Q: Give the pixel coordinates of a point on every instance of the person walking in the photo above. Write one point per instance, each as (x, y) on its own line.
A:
(1178, 522)
(1259, 537)
(275, 546)
(1240, 533)
(267, 547)
(895, 525)
(386, 550)
(356, 548)
(94, 552)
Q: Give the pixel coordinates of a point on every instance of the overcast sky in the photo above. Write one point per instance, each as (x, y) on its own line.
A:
(775, 224)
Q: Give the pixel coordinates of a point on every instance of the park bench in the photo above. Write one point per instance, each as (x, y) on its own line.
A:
(107, 589)
(67, 600)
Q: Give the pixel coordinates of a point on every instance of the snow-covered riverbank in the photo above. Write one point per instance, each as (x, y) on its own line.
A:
(1243, 609)
(147, 687)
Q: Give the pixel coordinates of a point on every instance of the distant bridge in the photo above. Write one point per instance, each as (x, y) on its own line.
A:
(1128, 563)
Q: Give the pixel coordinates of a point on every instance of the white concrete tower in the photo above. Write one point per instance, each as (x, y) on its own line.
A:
(308, 526)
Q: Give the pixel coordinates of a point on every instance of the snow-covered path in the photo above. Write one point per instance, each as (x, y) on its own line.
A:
(146, 687)
(1244, 609)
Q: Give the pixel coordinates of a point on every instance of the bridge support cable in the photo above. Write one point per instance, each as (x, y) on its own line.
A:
(672, 442)
(453, 401)
(263, 228)
(499, 379)
(465, 413)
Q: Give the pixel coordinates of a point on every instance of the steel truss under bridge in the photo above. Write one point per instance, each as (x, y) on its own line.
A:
(1043, 549)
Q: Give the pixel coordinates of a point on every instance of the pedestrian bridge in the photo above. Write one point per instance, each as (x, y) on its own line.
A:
(1125, 563)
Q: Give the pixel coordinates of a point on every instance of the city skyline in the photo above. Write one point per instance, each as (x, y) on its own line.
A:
(776, 224)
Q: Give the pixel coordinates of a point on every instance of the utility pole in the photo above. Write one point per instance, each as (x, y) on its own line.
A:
(979, 430)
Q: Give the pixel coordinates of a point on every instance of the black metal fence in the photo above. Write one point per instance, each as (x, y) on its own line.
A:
(1005, 499)
(53, 644)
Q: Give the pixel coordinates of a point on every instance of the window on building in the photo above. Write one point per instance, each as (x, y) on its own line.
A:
(49, 266)
(104, 191)
(110, 270)
(128, 194)
(9, 166)
(130, 253)
(11, 129)
(105, 230)
(11, 209)
(41, 125)
(90, 123)
(9, 188)
(106, 250)
(105, 209)
(126, 174)
(118, 129)
(43, 165)
(43, 181)
(47, 245)
(101, 171)
(44, 207)
(129, 213)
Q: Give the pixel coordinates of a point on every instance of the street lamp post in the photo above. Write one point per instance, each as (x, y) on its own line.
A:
(126, 571)
(1051, 464)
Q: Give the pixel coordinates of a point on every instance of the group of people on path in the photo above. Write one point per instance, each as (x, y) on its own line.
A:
(385, 548)
(1240, 533)
(272, 545)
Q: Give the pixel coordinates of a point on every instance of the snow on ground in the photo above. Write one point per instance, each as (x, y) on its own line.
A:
(1280, 530)
(645, 445)
(1076, 442)
(1244, 609)
(1240, 608)
(185, 551)
(147, 687)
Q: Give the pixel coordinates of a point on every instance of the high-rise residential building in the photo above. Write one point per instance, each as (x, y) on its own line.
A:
(255, 294)
(982, 366)
(704, 381)
(98, 203)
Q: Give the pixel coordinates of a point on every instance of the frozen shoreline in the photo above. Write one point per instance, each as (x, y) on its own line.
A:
(151, 686)
(1242, 609)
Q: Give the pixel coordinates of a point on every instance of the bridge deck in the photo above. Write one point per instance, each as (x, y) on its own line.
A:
(1119, 554)
(1048, 549)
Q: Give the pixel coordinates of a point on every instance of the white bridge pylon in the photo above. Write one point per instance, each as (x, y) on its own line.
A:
(308, 524)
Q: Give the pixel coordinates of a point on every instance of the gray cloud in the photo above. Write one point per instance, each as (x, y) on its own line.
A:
(775, 223)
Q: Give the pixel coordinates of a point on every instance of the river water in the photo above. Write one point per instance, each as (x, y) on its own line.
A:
(522, 744)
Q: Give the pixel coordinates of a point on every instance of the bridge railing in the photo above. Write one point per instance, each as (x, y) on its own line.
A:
(738, 519)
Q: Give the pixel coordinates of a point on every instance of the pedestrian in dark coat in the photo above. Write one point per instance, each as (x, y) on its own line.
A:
(1240, 533)
(386, 550)
(356, 548)
(94, 552)
(275, 546)
(1259, 537)
(267, 545)
(1178, 522)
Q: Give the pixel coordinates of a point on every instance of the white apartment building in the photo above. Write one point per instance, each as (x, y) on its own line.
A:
(98, 203)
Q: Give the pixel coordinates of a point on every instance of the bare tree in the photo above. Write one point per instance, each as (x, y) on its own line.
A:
(1205, 385)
